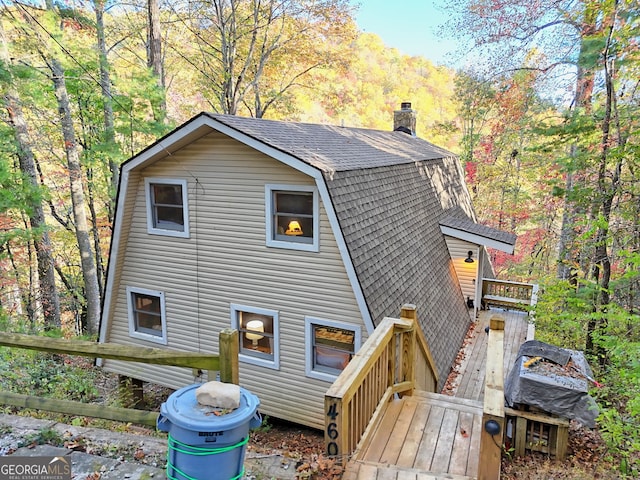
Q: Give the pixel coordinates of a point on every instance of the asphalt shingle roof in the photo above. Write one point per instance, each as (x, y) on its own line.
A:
(331, 148)
(466, 225)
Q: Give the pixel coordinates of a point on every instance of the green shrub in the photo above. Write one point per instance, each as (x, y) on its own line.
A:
(45, 375)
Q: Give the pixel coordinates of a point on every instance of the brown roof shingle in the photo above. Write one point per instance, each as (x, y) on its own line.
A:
(331, 148)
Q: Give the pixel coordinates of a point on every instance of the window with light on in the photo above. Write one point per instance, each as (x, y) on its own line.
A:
(256, 334)
(293, 216)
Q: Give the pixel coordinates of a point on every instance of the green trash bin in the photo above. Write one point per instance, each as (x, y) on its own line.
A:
(202, 445)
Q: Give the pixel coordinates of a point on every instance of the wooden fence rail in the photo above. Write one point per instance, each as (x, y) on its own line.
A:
(384, 366)
(226, 363)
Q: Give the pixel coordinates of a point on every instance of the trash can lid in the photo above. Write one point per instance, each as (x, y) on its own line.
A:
(183, 410)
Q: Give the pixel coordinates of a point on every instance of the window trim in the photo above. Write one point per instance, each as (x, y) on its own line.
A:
(132, 321)
(308, 335)
(271, 241)
(153, 230)
(254, 360)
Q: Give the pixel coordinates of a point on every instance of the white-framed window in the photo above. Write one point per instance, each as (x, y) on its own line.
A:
(167, 207)
(330, 345)
(258, 334)
(292, 217)
(147, 316)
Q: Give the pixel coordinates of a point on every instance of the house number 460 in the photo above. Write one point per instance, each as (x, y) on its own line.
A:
(332, 431)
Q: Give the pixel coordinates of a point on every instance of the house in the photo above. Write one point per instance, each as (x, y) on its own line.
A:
(301, 236)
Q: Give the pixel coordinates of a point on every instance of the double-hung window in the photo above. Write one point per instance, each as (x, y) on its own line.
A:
(292, 217)
(147, 316)
(258, 335)
(167, 207)
(330, 347)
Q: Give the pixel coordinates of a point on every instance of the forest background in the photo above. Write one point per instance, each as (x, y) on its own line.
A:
(543, 112)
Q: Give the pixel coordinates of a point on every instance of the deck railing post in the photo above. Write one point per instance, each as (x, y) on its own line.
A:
(229, 350)
(493, 411)
(408, 348)
(336, 433)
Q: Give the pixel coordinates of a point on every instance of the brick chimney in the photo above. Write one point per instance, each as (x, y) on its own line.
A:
(404, 120)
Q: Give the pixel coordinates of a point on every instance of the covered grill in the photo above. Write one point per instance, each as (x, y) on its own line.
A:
(553, 379)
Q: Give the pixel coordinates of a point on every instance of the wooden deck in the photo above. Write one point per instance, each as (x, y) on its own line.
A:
(469, 382)
(431, 436)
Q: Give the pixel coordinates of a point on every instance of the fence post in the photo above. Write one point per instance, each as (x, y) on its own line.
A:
(493, 411)
(229, 350)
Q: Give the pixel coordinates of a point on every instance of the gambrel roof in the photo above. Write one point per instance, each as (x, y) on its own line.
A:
(388, 194)
(335, 149)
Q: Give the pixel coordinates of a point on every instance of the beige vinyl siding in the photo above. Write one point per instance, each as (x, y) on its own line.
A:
(226, 261)
(466, 272)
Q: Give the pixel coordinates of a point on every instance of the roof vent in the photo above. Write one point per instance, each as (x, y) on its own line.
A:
(404, 120)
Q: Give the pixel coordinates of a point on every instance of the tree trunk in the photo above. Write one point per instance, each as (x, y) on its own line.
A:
(105, 85)
(582, 99)
(608, 188)
(46, 274)
(89, 271)
(154, 54)
(566, 230)
(26, 302)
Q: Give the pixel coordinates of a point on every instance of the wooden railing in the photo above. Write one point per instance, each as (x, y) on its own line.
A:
(509, 294)
(226, 363)
(493, 420)
(395, 359)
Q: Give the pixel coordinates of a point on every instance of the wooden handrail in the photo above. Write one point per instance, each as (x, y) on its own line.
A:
(385, 365)
(226, 363)
(493, 409)
(508, 293)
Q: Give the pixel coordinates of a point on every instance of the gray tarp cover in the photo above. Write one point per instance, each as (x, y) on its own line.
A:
(563, 395)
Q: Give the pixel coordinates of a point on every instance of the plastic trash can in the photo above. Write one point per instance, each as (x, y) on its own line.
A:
(202, 445)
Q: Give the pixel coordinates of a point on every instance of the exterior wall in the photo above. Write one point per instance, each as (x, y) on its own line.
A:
(225, 261)
(467, 273)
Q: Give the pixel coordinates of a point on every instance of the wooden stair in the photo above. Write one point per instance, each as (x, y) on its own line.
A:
(425, 436)
(372, 471)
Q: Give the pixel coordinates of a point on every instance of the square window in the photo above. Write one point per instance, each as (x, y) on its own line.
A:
(147, 315)
(258, 335)
(330, 347)
(167, 212)
(292, 217)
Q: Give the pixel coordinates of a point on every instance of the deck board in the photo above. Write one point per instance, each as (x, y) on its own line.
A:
(429, 436)
(459, 462)
(399, 433)
(380, 441)
(429, 439)
(412, 441)
(470, 383)
(446, 438)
